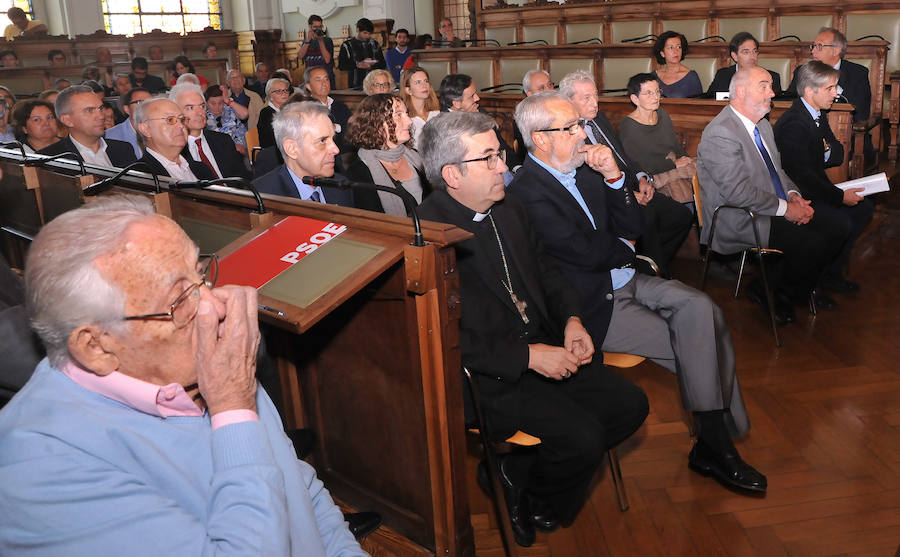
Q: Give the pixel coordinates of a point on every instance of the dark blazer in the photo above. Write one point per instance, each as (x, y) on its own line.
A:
(723, 80)
(854, 81)
(229, 161)
(626, 165)
(583, 254)
(151, 83)
(120, 153)
(802, 149)
(340, 115)
(279, 182)
(200, 170)
(369, 200)
(264, 126)
(490, 326)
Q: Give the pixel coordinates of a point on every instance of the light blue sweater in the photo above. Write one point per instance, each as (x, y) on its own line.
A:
(81, 474)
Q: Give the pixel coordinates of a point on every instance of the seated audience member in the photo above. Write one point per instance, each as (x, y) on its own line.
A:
(96, 88)
(584, 216)
(317, 48)
(79, 110)
(126, 131)
(213, 149)
(808, 147)
(21, 26)
(416, 92)
(49, 95)
(829, 47)
(277, 92)
(21, 347)
(188, 78)
(223, 115)
(360, 54)
(378, 81)
(122, 84)
(35, 124)
(521, 335)
(317, 87)
(262, 75)
(140, 78)
(739, 164)
(423, 42)
(109, 116)
(649, 139)
(183, 65)
(156, 53)
(9, 59)
(162, 126)
(210, 51)
(533, 82)
(305, 136)
(57, 58)
(676, 79)
(243, 96)
(92, 73)
(153, 422)
(396, 57)
(8, 101)
(7, 97)
(380, 129)
(666, 222)
(448, 35)
(744, 49)
(61, 83)
(102, 56)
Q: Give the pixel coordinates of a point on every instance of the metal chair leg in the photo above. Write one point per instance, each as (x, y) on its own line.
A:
(616, 472)
(769, 298)
(737, 286)
(813, 308)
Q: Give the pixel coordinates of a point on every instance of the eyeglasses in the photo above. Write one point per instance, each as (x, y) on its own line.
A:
(170, 119)
(573, 129)
(280, 91)
(820, 46)
(185, 306)
(139, 101)
(381, 85)
(651, 93)
(490, 160)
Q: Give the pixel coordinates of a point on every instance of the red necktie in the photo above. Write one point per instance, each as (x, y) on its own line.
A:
(204, 159)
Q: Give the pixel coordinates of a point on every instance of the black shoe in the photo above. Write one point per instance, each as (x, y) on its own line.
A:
(824, 302)
(839, 284)
(304, 441)
(542, 516)
(784, 312)
(362, 524)
(517, 504)
(728, 469)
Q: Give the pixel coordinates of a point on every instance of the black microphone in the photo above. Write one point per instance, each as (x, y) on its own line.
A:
(640, 39)
(105, 183)
(16, 144)
(491, 42)
(502, 85)
(242, 183)
(872, 37)
(408, 200)
(786, 37)
(536, 41)
(598, 40)
(45, 159)
(720, 37)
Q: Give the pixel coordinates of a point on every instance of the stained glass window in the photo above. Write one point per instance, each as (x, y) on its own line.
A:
(5, 5)
(129, 17)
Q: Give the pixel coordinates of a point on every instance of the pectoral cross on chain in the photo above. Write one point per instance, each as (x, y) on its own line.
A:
(520, 305)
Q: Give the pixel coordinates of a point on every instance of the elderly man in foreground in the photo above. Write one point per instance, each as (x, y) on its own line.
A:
(144, 432)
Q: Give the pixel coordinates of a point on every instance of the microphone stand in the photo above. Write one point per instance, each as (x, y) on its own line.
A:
(243, 183)
(45, 159)
(485, 42)
(536, 41)
(598, 40)
(98, 187)
(408, 200)
(16, 144)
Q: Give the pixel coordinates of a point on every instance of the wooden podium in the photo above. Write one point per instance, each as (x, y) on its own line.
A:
(370, 363)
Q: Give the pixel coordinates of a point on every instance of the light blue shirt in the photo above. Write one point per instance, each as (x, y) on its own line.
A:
(305, 190)
(620, 277)
(815, 116)
(124, 131)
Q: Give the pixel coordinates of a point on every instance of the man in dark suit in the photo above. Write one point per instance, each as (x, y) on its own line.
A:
(160, 124)
(587, 220)
(304, 134)
(666, 222)
(140, 78)
(213, 149)
(317, 84)
(521, 333)
(81, 112)
(744, 49)
(808, 147)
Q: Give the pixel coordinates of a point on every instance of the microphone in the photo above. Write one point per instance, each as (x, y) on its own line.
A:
(105, 183)
(502, 85)
(785, 37)
(45, 159)
(237, 181)
(598, 40)
(15, 144)
(642, 38)
(720, 37)
(408, 200)
(486, 42)
(536, 41)
(872, 37)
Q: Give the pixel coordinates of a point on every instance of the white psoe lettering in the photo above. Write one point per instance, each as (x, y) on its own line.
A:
(328, 232)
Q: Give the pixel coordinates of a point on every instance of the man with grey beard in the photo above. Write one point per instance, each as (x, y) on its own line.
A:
(588, 222)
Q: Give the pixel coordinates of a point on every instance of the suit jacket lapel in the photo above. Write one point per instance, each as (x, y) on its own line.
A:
(558, 193)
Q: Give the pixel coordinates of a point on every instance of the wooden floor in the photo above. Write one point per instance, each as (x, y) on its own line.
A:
(825, 410)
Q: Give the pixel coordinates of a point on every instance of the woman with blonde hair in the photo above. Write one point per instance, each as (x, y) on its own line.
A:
(378, 81)
(420, 99)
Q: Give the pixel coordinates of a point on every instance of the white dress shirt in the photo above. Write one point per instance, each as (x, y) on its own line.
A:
(180, 170)
(100, 158)
(207, 150)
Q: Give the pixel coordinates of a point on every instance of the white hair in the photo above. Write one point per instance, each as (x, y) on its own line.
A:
(64, 287)
(567, 84)
(526, 80)
(182, 87)
(272, 84)
(531, 115)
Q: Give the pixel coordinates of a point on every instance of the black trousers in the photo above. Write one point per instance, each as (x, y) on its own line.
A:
(577, 420)
(808, 249)
(666, 225)
(852, 220)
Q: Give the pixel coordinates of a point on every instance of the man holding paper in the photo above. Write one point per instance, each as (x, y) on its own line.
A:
(808, 147)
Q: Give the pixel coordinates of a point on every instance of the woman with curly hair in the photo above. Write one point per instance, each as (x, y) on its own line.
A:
(415, 88)
(34, 124)
(676, 79)
(380, 129)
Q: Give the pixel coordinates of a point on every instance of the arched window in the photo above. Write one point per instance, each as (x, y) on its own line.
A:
(129, 17)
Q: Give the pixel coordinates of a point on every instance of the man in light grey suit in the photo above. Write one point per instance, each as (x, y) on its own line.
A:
(738, 164)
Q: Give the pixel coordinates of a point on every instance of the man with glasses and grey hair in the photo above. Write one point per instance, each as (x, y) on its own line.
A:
(161, 125)
(588, 221)
(144, 431)
(78, 108)
(521, 333)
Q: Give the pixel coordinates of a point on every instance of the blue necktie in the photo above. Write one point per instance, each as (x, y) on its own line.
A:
(316, 197)
(776, 181)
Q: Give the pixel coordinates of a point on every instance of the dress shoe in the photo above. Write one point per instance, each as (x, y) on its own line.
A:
(362, 524)
(516, 504)
(542, 516)
(839, 284)
(784, 312)
(727, 468)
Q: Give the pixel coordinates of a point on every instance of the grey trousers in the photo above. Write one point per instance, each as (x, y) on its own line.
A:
(683, 330)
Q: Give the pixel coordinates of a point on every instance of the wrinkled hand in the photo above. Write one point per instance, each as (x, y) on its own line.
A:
(645, 192)
(601, 159)
(852, 197)
(683, 161)
(227, 340)
(578, 341)
(554, 362)
(799, 210)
